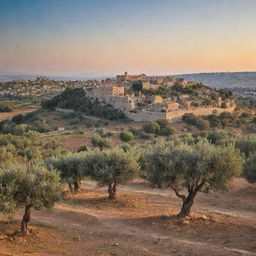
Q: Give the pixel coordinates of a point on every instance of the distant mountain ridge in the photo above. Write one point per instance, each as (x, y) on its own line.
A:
(10, 76)
(215, 80)
(223, 79)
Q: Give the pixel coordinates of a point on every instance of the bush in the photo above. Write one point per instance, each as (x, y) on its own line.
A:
(82, 148)
(100, 142)
(246, 144)
(151, 127)
(196, 121)
(167, 131)
(250, 168)
(219, 137)
(5, 108)
(126, 136)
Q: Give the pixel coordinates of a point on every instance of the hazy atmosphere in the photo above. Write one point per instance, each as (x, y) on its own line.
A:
(106, 37)
(127, 127)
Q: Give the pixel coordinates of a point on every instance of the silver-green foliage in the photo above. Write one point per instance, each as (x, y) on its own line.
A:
(69, 167)
(28, 186)
(250, 168)
(246, 144)
(112, 167)
(196, 167)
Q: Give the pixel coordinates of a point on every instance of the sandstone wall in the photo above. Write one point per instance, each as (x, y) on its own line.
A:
(145, 116)
(197, 112)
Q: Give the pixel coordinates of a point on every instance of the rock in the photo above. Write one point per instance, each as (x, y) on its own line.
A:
(115, 244)
(2, 237)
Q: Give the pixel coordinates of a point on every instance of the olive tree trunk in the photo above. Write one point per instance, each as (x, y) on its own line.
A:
(70, 188)
(112, 190)
(26, 219)
(76, 187)
(187, 204)
(189, 199)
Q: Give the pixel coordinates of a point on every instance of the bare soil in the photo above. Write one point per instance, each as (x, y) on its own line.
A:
(141, 222)
(8, 115)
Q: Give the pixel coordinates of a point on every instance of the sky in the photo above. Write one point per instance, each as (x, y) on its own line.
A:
(107, 37)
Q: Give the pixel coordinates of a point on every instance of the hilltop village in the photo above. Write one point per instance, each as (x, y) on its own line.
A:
(147, 98)
(139, 97)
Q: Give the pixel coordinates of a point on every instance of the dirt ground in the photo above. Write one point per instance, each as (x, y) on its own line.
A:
(141, 222)
(8, 115)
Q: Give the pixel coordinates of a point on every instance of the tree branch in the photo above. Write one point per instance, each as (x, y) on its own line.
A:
(201, 185)
(177, 193)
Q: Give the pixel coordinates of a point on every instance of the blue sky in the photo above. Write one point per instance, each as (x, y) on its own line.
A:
(110, 36)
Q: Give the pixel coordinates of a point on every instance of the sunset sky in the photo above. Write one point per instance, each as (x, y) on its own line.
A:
(106, 37)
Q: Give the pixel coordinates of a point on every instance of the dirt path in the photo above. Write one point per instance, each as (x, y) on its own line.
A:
(129, 235)
(142, 223)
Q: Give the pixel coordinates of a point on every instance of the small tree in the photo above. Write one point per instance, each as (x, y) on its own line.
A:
(246, 144)
(69, 167)
(82, 148)
(126, 136)
(151, 127)
(250, 168)
(100, 142)
(194, 167)
(28, 186)
(111, 168)
(219, 137)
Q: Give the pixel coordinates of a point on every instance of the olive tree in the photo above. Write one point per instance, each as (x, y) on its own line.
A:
(250, 168)
(69, 167)
(197, 167)
(246, 144)
(220, 137)
(100, 142)
(111, 168)
(28, 186)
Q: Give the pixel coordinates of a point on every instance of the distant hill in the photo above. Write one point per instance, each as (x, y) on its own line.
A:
(223, 79)
(7, 76)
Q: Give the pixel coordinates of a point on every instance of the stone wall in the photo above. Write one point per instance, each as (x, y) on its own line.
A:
(198, 112)
(145, 116)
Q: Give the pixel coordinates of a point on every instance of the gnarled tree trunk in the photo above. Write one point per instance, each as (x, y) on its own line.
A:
(26, 219)
(76, 187)
(112, 190)
(189, 199)
(70, 188)
(187, 204)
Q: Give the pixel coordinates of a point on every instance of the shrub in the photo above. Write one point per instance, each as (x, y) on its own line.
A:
(250, 168)
(246, 144)
(219, 137)
(100, 142)
(126, 136)
(151, 127)
(82, 148)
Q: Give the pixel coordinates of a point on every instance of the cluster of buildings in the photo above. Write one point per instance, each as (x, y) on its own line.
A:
(136, 96)
(38, 87)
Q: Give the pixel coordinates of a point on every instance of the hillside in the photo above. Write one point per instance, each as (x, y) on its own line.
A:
(223, 79)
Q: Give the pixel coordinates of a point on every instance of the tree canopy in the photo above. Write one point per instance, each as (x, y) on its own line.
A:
(111, 168)
(28, 186)
(195, 167)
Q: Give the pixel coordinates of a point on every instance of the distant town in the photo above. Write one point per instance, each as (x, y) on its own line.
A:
(139, 97)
